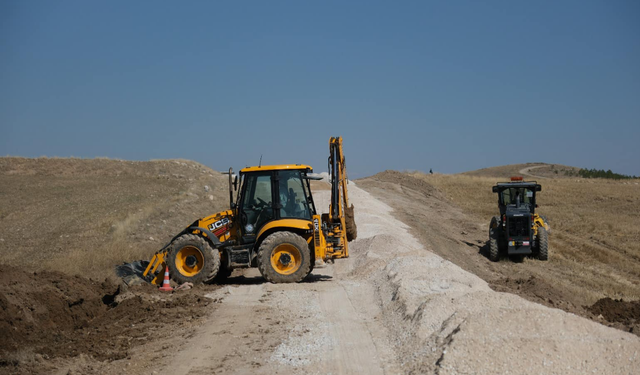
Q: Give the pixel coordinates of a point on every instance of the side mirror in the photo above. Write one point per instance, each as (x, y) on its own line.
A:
(538, 187)
(235, 183)
(495, 189)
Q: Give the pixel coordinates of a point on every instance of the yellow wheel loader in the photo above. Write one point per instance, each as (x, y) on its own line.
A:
(272, 224)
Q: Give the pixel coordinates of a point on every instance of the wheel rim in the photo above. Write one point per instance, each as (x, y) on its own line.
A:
(286, 259)
(189, 261)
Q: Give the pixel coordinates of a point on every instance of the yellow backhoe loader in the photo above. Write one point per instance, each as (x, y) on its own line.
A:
(272, 224)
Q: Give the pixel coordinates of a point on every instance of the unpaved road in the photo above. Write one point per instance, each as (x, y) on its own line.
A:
(527, 171)
(329, 324)
(395, 307)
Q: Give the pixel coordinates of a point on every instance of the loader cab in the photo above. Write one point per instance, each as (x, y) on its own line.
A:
(517, 196)
(270, 193)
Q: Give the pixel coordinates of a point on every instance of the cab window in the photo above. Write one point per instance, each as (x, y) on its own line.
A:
(511, 195)
(294, 199)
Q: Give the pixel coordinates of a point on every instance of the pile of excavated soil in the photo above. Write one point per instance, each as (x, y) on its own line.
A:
(619, 311)
(537, 290)
(403, 179)
(34, 305)
(53, 315)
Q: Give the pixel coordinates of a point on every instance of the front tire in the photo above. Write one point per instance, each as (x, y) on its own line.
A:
(284, 257)
(192, 260)
(543, 244)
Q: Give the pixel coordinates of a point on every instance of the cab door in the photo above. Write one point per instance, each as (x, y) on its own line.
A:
(257, 204)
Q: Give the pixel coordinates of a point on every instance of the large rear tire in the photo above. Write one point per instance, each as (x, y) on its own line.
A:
(494, 249)
(284, 257)
(191, 259)
(543, 244)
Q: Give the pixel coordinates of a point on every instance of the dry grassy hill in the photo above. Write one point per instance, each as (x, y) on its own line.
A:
(528, 170)
(83, 216)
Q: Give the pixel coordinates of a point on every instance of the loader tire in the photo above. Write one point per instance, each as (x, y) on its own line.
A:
(284, 257)
(494, 249)
(350, 223)
(192, 260)
(543, 244)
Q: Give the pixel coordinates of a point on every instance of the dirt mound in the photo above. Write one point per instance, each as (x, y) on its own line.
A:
(536, 290)
(406, 180)
(617, 310)
(32, 304)
(58, 316)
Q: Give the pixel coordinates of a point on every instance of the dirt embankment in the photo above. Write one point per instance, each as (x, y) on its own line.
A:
(454, 235)
(82, 216)
(49, 318)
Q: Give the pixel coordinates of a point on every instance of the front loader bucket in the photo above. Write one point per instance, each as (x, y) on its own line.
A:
(155, 268)
(133, 273)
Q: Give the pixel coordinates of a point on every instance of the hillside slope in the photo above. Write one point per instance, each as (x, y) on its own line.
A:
(83, 216)
(527, 170)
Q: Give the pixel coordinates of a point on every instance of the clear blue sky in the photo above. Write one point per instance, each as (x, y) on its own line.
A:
(448, 85)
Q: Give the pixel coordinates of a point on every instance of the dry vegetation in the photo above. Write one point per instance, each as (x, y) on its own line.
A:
(84, 216)
(595, 238)
(535, 170)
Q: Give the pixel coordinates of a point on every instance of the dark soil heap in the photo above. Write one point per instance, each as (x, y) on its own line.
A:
(618, 311)
(56, 315)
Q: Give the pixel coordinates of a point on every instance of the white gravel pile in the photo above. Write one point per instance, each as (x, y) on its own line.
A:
(442, 319)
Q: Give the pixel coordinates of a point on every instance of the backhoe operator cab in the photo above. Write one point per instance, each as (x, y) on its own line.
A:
(519, 230)
(273, 193)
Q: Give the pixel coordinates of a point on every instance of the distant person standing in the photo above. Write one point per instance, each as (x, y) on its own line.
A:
(430, 171)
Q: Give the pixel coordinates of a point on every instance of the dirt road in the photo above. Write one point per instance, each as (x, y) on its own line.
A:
(527, 171)
(329, 324)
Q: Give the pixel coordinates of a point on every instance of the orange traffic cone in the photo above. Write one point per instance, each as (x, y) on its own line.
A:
(166, 287)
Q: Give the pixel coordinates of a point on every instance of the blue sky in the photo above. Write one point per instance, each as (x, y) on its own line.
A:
(453, 86)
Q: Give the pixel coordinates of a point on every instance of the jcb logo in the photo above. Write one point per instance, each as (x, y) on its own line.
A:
(218, 224)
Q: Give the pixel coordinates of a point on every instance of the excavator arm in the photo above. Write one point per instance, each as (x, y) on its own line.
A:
(338, 226)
